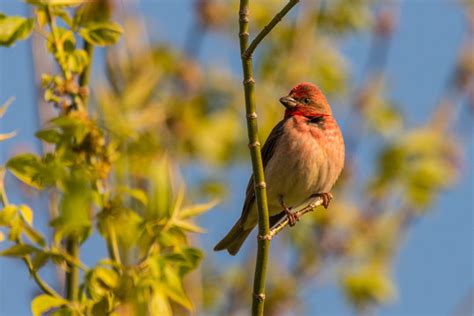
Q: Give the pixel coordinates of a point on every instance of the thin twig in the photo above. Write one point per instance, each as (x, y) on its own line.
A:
(307, 207)
(246, 52)
(34, 273)
(40, 282)
(269, 27)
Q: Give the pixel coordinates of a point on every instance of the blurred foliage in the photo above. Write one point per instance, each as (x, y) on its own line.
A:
(114, 163)
(106, 182)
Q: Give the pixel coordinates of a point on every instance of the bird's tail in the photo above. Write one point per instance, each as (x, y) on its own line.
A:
(234, 238)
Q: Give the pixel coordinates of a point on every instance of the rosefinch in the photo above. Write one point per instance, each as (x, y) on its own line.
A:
(302, 158)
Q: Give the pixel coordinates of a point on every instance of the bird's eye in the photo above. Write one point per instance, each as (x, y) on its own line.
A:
(306, 100)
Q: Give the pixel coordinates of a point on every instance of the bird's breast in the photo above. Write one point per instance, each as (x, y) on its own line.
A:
(307, 159)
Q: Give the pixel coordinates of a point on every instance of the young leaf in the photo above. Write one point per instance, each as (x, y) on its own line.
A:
(25, 167)
(196, 210)
(173, 288)
(190, 227)
(44, 303)
(14, 28)
(51, 136)
(26, 213)
(19, 251)
(33, 235)
(101, 33)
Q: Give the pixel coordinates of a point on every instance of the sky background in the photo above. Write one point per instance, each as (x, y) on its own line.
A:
(434, 269)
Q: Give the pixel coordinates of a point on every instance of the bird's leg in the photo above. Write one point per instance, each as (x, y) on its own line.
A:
(292, 217)
(326, 196)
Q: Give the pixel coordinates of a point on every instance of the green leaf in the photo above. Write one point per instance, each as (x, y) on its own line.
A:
(33, 235)
(19, 251)
(44, 303)
(7, 215)
(160, 305)
(173, 288)
(92, 11)
(26, 167)
(65, 39)
(196, 210)
(137, 194)
(26, 213)
(77, 61)
(14, 28)
(50, 136)
(101, 33)
(101, 281)
(187, 226)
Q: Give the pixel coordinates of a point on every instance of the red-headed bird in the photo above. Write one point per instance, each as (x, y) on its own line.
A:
(302, 157)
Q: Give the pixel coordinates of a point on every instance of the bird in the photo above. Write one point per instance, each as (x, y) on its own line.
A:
(302, 157)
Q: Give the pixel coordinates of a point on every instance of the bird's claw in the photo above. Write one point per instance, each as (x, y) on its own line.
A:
(292, 217)
(326, 196)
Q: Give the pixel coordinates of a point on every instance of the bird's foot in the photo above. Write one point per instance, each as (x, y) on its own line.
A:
(326, 196)
(292, 217)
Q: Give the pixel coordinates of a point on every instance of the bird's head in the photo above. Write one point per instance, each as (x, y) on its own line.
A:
(306, 97)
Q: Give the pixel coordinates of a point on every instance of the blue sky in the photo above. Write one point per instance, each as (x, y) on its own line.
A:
(434, 269)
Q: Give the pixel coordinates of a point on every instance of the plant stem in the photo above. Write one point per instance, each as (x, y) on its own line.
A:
(254, 145)
(257, 165)
(72, 276)
(112, 246)
(40, 282)
(85, 75)
(267, 29)
(60, 56)
(298, 211)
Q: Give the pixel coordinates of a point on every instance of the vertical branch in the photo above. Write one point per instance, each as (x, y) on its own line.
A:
(257, 165)
(72, 276)
(86, 73)
(246, 52)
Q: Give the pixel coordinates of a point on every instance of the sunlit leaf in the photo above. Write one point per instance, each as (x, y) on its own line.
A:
(187, 226)
(173, 288)
(51, 136)
(25, 167)
(44, 303)
(101, 33)
(14, 28)
(195, 210)
(19, 251)
(27, 213)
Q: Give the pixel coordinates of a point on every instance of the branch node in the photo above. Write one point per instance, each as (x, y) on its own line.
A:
(261, 185)
(254, 144)
(260, 296)
(244, 15)
(252, 115)
(242, 34)
(249, 81)
(265, 237)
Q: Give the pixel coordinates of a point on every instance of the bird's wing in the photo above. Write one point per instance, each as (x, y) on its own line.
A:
(267, 152)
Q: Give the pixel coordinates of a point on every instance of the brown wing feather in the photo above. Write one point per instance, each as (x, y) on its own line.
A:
(267, 152)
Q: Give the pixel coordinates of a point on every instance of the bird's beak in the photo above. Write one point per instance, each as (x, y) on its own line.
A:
(288, 101)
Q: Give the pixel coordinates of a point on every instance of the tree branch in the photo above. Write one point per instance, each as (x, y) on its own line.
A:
(40, 282)
(299, 211)
(254, 146)
(268, 28)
